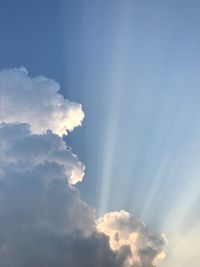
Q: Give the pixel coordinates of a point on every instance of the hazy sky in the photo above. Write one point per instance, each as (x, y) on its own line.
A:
(134, 66)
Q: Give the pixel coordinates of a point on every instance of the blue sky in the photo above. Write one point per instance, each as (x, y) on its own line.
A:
(134, 66)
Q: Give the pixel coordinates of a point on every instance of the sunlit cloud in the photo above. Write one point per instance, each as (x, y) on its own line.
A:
(25, 99)
(125, 230)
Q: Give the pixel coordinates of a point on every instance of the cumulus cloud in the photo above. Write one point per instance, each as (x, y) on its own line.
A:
(36, 101)
(126, 230)
(22, 150)
(43, 221)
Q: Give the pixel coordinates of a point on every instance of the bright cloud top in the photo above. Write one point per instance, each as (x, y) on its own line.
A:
(43, 221)
(36, 101)
(125, 230)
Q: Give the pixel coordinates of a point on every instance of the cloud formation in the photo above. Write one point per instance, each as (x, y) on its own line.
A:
(22, 150)
(126, 230)
(36, 101)
(43, 221)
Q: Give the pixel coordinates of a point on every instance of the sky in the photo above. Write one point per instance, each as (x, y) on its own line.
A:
(134, 67)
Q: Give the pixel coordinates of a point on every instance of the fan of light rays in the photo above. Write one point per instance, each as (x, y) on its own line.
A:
(158, 173)
(115, 84)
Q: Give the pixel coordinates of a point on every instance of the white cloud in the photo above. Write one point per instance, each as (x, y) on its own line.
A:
(125, 230)
(36, 101)
(26, 150)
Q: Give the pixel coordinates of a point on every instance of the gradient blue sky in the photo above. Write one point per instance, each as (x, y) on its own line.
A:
(134, 66)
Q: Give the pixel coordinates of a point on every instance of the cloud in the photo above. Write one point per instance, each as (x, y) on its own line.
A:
(23, 150)
(43, 221)
(126, 230)
(36, 101)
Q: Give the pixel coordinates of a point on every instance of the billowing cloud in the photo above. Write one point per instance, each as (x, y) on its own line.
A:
(43, 221)
(126, 230)
(21, 150)
(36, 101)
